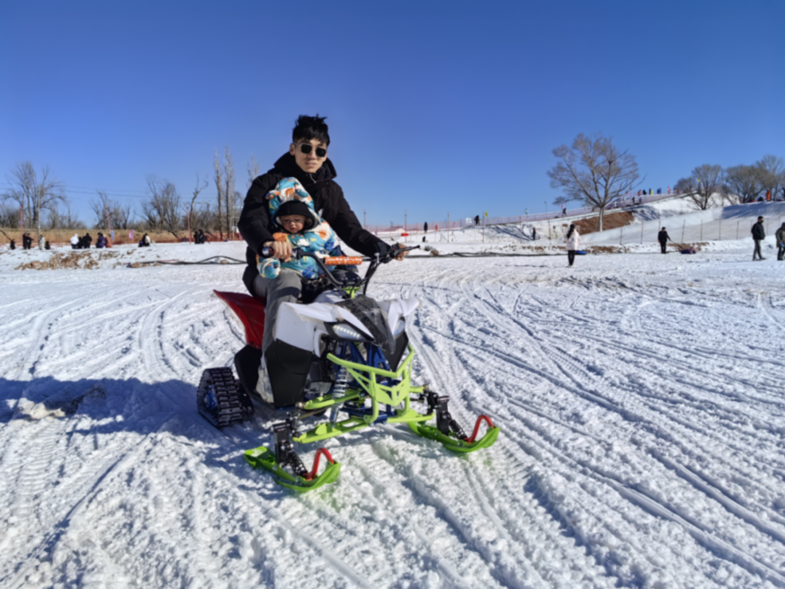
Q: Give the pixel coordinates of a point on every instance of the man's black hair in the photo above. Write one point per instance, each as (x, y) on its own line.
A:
(307, 128)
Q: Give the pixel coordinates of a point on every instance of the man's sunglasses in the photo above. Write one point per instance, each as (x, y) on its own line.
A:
(307, 147)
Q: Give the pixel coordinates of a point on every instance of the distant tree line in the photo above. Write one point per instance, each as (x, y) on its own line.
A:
(594, 171)
(737, 184)
(42, 198)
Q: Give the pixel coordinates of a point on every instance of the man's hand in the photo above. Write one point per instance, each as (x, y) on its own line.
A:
(281, 249)
(401, 254)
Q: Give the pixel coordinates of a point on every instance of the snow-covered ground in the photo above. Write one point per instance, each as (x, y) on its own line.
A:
(640, 398)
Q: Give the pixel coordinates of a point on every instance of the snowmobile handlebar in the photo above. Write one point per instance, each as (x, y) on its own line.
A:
(299, 254)
(376, 260)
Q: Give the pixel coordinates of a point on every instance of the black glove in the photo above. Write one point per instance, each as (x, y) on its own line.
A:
(382, 249)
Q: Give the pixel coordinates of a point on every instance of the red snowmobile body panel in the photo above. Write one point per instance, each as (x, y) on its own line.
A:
(250, 311)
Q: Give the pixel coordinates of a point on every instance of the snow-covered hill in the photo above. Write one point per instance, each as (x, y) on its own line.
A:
(731, 223)
(640, 398)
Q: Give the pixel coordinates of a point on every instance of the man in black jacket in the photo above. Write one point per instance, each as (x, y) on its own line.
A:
(663, 238)
(758, 235)
(306, 161)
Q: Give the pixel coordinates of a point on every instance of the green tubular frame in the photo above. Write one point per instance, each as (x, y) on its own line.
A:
(367, 376)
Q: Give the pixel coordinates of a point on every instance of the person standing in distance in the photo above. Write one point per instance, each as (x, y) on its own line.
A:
(573, 241)
(780, 237)
(663, 238)
(758, 235)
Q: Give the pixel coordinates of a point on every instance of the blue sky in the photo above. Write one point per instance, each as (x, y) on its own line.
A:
(433, 107)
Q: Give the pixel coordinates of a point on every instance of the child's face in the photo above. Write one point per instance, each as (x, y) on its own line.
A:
(292, 223)
(308, 162)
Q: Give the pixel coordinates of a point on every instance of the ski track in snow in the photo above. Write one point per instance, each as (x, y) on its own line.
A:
(639, 397)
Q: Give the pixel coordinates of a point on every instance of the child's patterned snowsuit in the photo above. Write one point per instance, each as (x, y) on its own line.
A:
(319, 240)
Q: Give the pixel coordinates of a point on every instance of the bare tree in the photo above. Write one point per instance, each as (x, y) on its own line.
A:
(253, 170)
(594, 171)
(704, 182)
(110, 214)
(9, 215)
(229, 191)
(62, 218)
(100, 209)
(120, 216)
(162, 211)
(33, 196)
(204, 217)
(219, 187)
(224, 183)
(199, 187)
(744, 182)
(772, 172)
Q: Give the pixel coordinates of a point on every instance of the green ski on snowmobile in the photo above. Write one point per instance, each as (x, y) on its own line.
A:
(263, 457)
(392, 395)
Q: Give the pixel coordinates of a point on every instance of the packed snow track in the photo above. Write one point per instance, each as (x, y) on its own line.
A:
(640, 399)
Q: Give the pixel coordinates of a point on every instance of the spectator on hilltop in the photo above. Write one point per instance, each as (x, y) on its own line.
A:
(425, 227)
(12, 245)
(75, 241)
(758, 235)
(477, 219)
(100, 243)
(27, 241)
(145, 241)
(87, 241)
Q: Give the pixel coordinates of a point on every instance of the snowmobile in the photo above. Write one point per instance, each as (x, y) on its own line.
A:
(339, 355)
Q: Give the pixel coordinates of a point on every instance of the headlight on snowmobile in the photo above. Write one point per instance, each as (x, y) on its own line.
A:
(346, 331)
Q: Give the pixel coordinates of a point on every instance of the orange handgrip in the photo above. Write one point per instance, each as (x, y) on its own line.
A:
(343, 261)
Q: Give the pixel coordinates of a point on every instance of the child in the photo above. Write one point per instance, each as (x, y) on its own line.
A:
(291, 209)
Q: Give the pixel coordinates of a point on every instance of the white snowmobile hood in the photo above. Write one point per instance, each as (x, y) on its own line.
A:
(302, 326)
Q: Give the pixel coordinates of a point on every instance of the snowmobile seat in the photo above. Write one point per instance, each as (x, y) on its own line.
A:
(250, 311)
